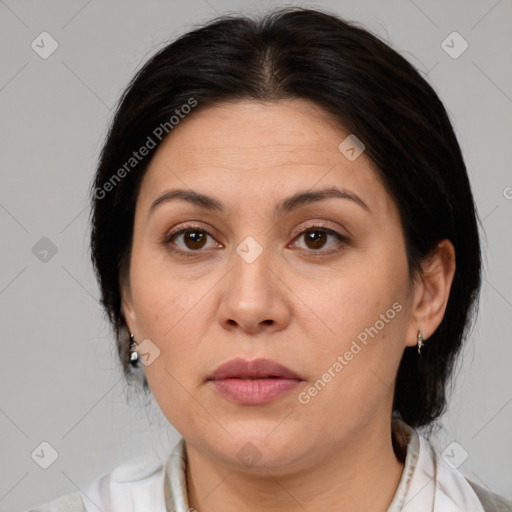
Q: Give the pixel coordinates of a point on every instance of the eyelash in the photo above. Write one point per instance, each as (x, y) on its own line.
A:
(343, 240)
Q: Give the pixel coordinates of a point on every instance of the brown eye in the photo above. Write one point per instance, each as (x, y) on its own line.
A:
(317, 238)
(189, 239)
(194, 239)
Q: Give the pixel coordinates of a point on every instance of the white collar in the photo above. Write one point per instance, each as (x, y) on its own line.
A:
(427, 484)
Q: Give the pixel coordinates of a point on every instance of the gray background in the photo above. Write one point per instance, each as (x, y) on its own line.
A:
(60, 381)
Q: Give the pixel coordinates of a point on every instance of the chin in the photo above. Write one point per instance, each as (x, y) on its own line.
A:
(260, 449)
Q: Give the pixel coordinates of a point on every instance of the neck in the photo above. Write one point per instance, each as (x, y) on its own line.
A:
(361, 475)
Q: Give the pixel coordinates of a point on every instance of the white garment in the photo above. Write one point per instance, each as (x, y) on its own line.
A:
(427, 484)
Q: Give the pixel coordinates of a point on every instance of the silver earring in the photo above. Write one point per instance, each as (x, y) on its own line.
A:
(420, 342)
(134, 356)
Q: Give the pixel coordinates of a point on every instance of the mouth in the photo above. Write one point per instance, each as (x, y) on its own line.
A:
(255, 369)
(255, 382)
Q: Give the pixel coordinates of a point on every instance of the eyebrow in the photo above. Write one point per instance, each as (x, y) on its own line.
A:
(297, 200)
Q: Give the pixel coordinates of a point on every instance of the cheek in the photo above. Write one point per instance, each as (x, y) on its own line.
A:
(161, 297)
(365, 309)
(354, 299)
(172, 311)
(167, 314)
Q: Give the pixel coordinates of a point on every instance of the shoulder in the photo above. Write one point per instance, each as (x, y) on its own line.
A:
(491, 502)
(440, 483)
(120, 487)
(136, 484)
(68, 503)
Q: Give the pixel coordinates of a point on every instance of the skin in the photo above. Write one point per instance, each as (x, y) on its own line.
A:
(298, 303)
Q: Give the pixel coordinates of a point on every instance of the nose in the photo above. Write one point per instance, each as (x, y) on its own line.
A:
(254, 299)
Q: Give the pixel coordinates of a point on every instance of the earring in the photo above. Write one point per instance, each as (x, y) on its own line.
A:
(134, 356)
(420, 342)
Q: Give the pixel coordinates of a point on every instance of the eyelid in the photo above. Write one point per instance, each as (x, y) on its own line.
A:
(343, 240)
(321, 225)
(166, 239)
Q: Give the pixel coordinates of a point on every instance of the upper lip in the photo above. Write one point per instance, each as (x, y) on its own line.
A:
(257, 368)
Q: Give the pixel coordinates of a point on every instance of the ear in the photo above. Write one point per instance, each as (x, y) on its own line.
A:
(127, 306)
(431, 292)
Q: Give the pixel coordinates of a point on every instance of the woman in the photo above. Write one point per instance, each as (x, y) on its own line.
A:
(287, 247)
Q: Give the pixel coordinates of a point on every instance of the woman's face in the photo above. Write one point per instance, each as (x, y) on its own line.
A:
(269, 267)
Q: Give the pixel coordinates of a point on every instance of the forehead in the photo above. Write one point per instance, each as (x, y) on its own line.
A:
(255, 150)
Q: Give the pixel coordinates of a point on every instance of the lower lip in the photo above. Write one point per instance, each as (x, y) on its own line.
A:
(254, 391)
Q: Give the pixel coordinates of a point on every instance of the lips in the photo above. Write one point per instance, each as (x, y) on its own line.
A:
(256, 382)
(255, 369)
